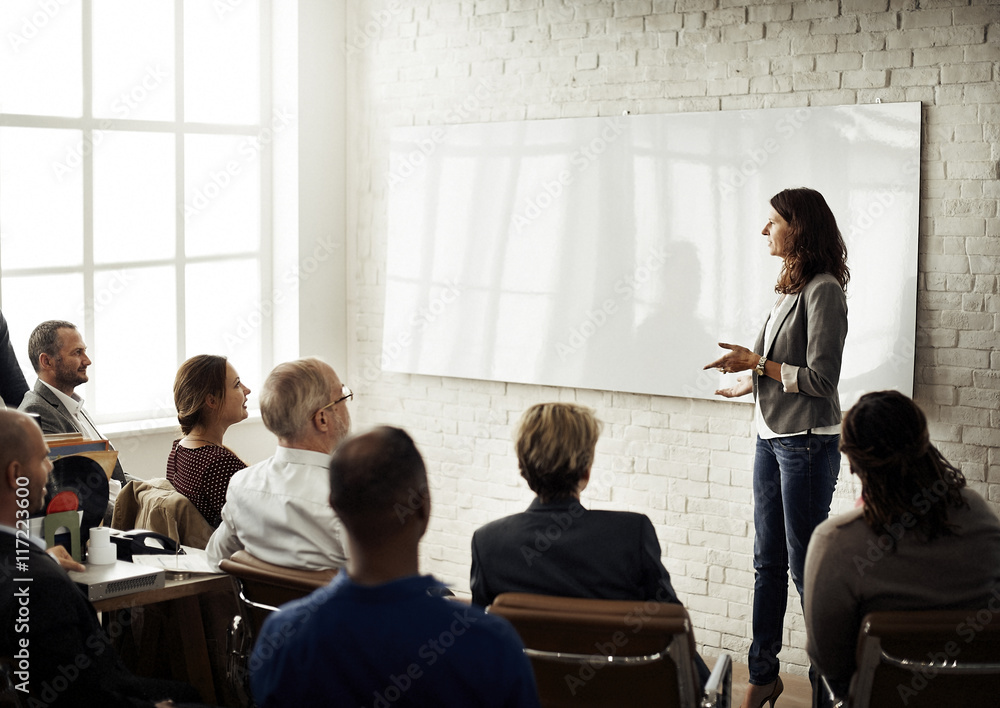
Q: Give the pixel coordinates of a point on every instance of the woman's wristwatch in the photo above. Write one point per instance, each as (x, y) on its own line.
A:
(760, 365)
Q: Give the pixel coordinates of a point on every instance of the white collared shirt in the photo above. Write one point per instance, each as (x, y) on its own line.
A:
(74, 404)
(278, 511)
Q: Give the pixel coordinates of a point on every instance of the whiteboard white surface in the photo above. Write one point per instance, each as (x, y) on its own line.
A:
(615, 253)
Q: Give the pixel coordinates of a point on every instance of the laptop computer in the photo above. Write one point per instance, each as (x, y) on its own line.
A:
(102, 581)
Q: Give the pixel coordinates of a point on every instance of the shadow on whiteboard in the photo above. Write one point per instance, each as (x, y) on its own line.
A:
(615, 253)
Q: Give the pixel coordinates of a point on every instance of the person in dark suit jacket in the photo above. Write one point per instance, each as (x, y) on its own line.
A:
(12, 383)
(61, 656)
(557, 547)
(59, 356)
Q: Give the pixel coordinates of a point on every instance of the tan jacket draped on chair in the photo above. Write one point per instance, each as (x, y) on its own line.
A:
(156, 506)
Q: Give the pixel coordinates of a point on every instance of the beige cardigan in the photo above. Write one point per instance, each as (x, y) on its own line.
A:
(156, 506)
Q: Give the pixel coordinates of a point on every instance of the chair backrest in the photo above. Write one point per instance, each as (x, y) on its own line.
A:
(263, 587)
(605, 652)
(155, 505)
(928, 658)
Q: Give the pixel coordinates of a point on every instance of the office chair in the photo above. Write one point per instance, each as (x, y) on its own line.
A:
(612, 653)
(926, 658)
(261, 588)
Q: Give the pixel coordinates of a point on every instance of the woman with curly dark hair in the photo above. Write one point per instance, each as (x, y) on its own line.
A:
(795, 369)
(920, 541)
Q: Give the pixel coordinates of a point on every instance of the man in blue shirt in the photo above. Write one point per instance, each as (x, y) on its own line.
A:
(381, 634)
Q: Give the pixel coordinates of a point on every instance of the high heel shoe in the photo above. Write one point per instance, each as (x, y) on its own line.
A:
(773, 696)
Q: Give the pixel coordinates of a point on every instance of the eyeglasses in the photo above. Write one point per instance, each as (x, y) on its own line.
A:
(346, 393)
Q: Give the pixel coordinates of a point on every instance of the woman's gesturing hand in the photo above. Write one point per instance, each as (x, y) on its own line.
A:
(743, 386)
(738, 359)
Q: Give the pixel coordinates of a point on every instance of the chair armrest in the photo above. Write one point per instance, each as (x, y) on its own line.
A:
(719, 688)
(829, 698)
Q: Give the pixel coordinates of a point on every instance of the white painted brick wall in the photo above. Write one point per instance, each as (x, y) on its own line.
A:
(684, 463)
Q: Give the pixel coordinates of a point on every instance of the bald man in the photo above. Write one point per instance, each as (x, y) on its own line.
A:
(61, 655)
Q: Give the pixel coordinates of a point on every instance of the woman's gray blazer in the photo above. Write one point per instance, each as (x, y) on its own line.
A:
(808, 333)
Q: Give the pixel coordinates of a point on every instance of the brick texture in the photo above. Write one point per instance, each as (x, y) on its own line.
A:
(683, 462)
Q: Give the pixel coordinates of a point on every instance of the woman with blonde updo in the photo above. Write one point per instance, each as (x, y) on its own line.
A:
(921, 540)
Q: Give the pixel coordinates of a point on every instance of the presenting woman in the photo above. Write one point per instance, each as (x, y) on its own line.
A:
(209, 397)
(921, 540)
(795, 367)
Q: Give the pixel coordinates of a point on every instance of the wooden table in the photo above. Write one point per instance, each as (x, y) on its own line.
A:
(187, 645)
(172, 590)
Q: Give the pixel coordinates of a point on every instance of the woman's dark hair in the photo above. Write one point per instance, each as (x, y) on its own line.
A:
(813, 244)
(555, 445)
(198, 378)
(906, 482)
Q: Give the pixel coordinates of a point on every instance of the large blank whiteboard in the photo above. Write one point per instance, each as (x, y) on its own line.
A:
(614, 253)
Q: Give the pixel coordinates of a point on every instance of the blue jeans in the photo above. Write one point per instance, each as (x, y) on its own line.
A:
(793, 482)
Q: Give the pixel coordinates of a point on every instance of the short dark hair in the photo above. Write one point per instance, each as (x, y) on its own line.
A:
(813, 244)
(45, 339)
(555, 445)
(198, 378)
(377, 480)
(886, 441)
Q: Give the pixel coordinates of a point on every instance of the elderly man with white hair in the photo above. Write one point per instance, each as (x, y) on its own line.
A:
(277, 509)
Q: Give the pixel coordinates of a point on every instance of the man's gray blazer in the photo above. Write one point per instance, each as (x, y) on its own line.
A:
(809, 331)
(54, 418)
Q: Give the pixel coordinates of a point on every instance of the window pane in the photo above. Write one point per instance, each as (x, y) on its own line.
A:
(135, 342)
(133, 59)
(134, 215)
(41, 197)
(221, 62)
(40, 69)
(224, 314)
(221, 195)
(29, 301)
